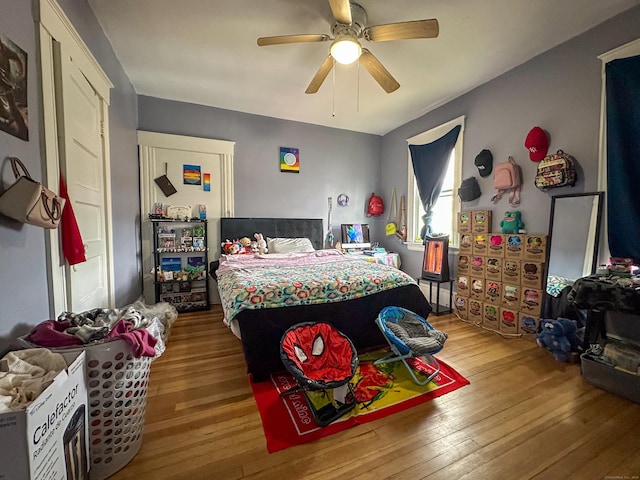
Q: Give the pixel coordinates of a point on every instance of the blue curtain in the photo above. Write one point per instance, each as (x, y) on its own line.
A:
(623, 157)
(430, 163)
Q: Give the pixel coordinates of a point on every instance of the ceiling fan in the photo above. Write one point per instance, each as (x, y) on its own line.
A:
(351, 25)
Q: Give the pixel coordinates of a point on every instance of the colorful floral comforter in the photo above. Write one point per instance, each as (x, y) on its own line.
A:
(281, 280)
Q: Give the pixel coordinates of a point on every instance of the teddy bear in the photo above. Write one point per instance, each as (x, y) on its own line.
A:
(262, 244)
(559, 336)
(512, 222)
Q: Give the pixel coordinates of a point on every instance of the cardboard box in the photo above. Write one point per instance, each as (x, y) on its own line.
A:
(476, 308)
(514, 246)
(464, 264)
(477, 266)
(464, 222)
(466, 243)
(490, 315)
(493, 292)
(531, 301)
(509, 321)
(511, 271)
(49, 439)
(497, 243)
(532, 274)
(481, 221)
(511, 296)
(529, 323)
(493, 268)
(480, 242)
(463, 285)
(535, 248)
(461, 306)
(476, 290)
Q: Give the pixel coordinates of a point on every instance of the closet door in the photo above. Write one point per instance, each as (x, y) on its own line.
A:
(75, 99)
(172, 155)
(83, 166)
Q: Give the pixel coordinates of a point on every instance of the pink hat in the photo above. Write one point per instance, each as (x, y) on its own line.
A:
(537, 143)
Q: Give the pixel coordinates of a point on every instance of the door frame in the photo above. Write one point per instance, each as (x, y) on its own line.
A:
(148, 144)
(53, 25)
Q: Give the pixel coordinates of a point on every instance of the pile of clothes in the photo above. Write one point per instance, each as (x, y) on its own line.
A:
(24, 374)
(144, 329)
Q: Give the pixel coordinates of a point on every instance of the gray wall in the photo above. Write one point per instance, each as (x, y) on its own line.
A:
(331, 161)
(559, 90)
(23, 288)
(23, 285)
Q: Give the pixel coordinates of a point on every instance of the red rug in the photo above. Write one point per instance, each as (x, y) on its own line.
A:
(380, 390)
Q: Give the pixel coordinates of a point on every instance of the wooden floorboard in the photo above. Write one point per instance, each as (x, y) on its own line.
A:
(523, 416)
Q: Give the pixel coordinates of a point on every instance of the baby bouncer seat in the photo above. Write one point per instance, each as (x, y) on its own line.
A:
(410, 336)
(320, 357)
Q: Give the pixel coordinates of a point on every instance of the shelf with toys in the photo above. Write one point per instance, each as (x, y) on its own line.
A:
(180, 256)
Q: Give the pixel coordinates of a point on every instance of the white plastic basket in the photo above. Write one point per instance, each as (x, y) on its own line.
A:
(117, 399)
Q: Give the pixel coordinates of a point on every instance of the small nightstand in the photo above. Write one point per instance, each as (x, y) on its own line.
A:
(439, 309)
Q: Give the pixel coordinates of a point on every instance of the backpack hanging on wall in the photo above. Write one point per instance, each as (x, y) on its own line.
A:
(557, 170)
(507, 177)
(375, 206)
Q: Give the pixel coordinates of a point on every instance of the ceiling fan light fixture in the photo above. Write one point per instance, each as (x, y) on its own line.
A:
(346, 50)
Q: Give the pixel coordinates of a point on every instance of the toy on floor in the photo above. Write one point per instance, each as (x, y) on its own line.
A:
(512, 222)
(560, 337)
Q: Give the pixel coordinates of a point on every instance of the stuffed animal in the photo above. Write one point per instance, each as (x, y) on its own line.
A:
(512, 222)
(262, 244)
(230, 248)
(559, 336)
(245, 245)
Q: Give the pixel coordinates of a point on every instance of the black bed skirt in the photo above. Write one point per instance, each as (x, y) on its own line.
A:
(262, 330)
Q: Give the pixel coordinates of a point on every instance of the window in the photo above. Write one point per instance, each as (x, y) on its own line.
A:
(447, 207)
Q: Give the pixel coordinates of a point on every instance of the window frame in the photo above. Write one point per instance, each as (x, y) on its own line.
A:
(413, 204)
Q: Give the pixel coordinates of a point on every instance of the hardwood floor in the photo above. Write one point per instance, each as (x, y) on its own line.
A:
(524, 416)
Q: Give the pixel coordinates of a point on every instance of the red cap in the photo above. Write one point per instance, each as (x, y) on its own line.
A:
(537, 143)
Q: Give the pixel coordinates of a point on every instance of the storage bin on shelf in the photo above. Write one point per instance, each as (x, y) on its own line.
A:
(117, 396)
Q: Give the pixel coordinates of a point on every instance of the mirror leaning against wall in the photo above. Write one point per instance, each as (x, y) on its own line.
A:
(574, 234)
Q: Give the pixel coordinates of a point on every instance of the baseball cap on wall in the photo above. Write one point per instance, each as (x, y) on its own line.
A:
(484, 162)
(537, 143)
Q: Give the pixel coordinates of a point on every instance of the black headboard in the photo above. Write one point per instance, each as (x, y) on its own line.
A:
(311, 228)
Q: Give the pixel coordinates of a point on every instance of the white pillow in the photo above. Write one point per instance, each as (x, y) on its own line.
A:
(289, 245)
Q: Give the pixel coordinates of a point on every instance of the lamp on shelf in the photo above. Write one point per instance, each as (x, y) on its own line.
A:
(346, 49)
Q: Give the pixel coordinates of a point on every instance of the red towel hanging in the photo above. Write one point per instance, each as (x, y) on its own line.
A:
(72, 244)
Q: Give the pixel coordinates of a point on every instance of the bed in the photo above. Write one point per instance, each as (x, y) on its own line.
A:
(317, 285)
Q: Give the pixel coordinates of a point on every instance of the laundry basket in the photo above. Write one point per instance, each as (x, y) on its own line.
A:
(117, 398)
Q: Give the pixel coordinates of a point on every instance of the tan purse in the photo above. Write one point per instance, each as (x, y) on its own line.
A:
(28, 201)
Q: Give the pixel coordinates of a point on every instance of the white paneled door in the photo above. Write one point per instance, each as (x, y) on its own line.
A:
(75, 99)
(84, 171)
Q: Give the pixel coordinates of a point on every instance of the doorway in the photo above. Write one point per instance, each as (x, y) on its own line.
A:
(172, 156)
(75, 93)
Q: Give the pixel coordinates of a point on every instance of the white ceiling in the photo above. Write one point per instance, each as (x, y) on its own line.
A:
(205, 52)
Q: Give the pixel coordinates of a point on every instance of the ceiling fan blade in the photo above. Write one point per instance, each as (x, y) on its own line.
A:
(378, 72)
(320, 75)
(282, 39)
(402, 30)
(341, 11)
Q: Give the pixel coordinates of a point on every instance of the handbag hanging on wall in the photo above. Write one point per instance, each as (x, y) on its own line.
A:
(28, 201)
(390, 228)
